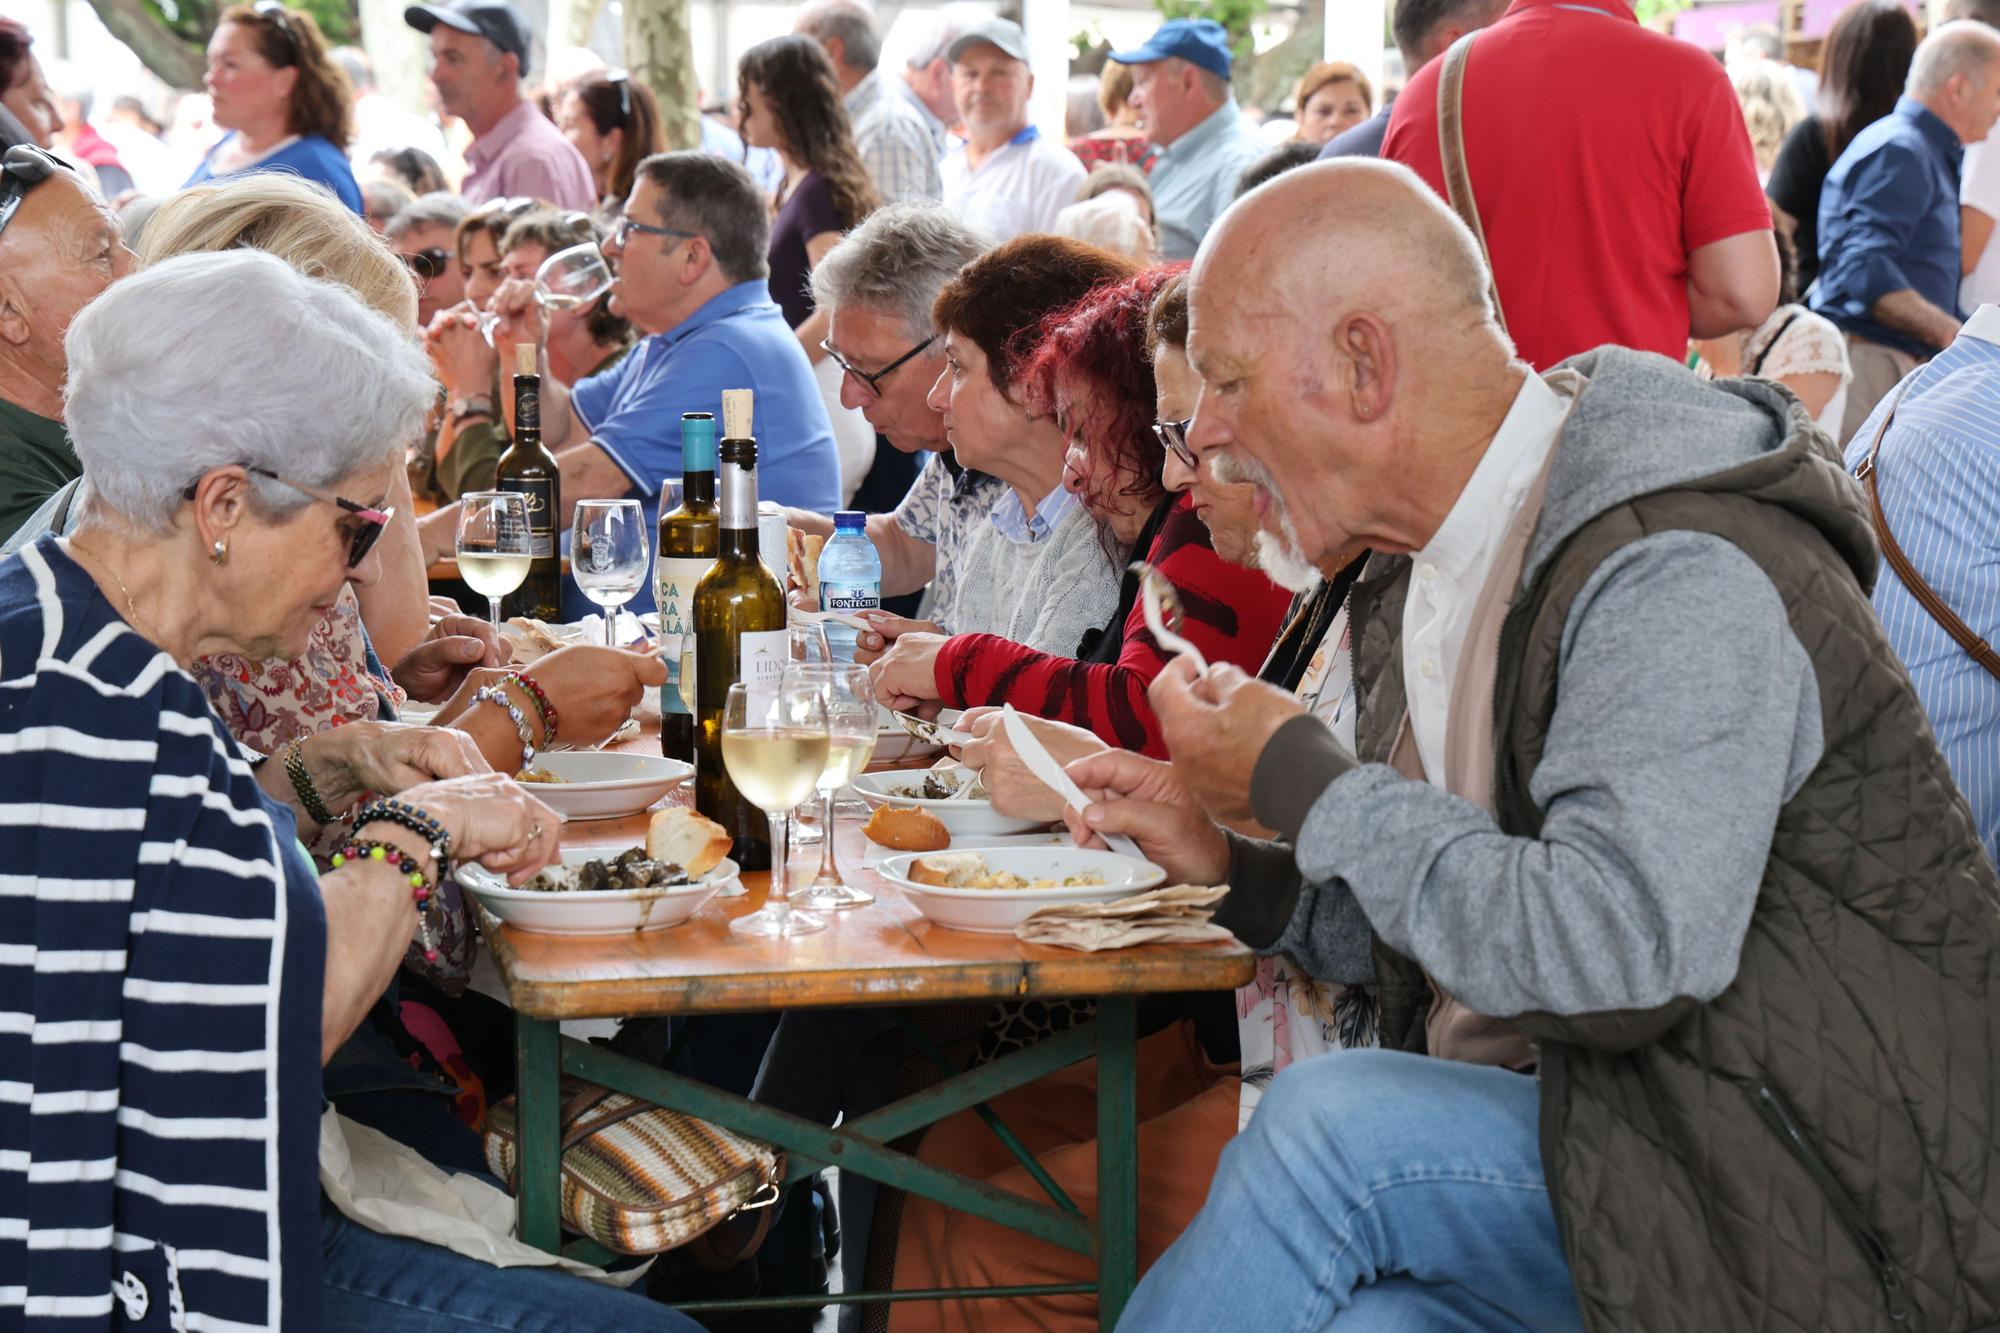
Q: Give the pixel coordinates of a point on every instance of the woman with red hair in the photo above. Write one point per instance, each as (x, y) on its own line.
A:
(1091, 371)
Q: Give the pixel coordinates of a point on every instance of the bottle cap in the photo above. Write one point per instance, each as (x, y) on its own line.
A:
(850, 520)
(697, 441)
(736, 405)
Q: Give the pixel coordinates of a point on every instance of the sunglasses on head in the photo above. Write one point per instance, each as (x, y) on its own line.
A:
(623, 82)
(373, 520)
(274, 13)
(21, 170)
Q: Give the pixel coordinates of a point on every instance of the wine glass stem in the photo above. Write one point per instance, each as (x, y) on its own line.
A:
(611, 625)
(829, 873)
(493, 608)
(779, 900)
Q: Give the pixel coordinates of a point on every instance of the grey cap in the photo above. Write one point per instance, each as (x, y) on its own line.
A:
(1003, 33)
(495, 20)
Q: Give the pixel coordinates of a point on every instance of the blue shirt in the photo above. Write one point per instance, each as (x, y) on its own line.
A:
(1888, 222)
(1363, 140)
(1938, 475)
(1011, 516)
(311, 158)
(762, 163)
(737, 340)
(1194, 178)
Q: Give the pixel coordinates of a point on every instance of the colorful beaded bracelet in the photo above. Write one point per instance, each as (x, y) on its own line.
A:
(302, 783)
(420, 887)
(535, 692)
(497, 694)
(389, 810)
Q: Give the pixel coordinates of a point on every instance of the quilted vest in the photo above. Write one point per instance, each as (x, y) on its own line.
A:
(1818, 1148)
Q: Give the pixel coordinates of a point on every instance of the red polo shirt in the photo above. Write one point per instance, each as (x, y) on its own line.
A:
(1601, 155)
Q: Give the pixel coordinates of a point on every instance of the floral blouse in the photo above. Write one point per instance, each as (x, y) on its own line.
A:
(270, 704)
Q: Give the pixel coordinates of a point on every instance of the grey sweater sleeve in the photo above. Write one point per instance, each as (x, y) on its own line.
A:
(1688, 715)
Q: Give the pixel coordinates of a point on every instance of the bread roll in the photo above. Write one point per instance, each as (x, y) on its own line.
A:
(693, 842)
(907, 829)
(955, 870)
(802, 557)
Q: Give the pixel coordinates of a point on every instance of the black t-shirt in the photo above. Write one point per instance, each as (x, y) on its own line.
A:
(1796, 179)
(807, 212)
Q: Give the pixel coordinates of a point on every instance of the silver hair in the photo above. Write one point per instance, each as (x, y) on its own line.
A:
(897, 261)
(1213, 85)
(941, 29)
(849, 20)
(1964, 46)
(234, 357)
(385, 197)
(427, 210)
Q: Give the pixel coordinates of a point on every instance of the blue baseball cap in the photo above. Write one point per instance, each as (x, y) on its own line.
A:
(1201, 42)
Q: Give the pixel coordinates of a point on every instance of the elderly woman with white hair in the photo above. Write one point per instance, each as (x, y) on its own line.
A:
(172, 969)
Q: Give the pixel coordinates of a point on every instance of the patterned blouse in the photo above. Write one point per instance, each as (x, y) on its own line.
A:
(270, 704)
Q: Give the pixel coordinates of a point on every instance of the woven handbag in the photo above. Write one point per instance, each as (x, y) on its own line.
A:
(638, 1178)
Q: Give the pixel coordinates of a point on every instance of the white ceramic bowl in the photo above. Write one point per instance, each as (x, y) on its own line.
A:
(998, 911)
(893, 743)
(967, 818)
(600, 784)
(598, 912)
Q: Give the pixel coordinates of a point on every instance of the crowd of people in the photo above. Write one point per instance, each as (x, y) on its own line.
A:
(1577, 473)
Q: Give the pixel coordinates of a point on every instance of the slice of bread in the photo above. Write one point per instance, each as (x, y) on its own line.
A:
(953, 870)
(693, 842)
(802, 556)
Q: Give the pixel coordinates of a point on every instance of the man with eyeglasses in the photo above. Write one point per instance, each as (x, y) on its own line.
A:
(691, 273)
(60, 245)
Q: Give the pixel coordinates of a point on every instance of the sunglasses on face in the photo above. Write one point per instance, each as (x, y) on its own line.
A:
(1173, 437)
(21, 170)
(428, 264)
(373, 521)
(872, 383)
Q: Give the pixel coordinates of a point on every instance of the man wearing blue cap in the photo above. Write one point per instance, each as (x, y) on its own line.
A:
(1180, 88)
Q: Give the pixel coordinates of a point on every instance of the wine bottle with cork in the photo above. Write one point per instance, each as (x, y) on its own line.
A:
(529, 468)
(690, 536)
(739, 625)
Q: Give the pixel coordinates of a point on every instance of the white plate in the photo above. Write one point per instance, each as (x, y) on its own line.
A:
(893, 743)
(960, 818)
(998, 911)
(599, 784)
(598, 912)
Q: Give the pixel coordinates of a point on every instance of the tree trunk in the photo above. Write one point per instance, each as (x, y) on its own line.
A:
(659, 52)
(179, 62)
(396, 53)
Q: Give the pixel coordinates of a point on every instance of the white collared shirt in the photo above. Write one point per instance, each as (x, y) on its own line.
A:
(1017, 189)
(1446, 576)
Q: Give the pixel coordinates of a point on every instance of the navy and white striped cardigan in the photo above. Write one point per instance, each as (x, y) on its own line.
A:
(160, 982)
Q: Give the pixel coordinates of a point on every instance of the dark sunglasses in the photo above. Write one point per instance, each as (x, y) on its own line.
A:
(274, 13)
(373, 521)
(873, 383)
(21, 170)
(428, 264)
(1173, 435)
(623, 82)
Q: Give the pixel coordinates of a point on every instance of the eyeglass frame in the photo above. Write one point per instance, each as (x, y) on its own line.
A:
(376, 520)
(12, 195)
(621, 231)
(873, 383)
(1172, 436)
(436, 256)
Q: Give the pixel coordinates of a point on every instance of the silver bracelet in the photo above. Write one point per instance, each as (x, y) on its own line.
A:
(495, 694)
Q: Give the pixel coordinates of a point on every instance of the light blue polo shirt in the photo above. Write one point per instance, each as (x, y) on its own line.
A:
(1194, 178)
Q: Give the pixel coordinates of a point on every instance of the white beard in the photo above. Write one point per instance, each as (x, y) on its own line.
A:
(1278, 553)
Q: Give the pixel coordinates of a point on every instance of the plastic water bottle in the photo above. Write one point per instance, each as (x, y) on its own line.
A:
(850, 578)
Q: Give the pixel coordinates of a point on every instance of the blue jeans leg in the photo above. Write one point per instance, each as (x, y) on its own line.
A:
(391, 1284)
(1371, 1190)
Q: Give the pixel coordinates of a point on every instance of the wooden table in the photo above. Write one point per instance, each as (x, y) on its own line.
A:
(884, 954)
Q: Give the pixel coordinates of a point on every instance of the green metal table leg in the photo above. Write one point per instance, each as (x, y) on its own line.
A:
(539, 1089)
(1117, 1157)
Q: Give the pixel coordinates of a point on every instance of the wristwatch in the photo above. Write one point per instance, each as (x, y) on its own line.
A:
(478, 404)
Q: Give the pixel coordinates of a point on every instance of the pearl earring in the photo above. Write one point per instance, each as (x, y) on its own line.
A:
(219, 552)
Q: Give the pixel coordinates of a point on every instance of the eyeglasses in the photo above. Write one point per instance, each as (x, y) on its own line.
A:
(623, 82)
(873, 383)
(273, 12)
(1173, 435)
(21, 170)
(428, 264)
(373, 521)
(622, 231)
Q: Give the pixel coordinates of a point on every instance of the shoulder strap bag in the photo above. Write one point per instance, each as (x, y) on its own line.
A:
(1451, 147)
(1975, 647)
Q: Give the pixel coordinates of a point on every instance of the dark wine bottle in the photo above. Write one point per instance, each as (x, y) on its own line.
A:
(690, 536)
(528, 467)
(739, 624)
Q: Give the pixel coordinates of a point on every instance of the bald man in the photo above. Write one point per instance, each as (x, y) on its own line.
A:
(58, 251)
(1643, 841)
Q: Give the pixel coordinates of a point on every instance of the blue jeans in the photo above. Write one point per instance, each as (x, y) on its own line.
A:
(1373, 1190)
(392, 1284)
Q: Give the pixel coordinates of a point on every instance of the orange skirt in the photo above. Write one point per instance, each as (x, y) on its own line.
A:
(1187, 1114)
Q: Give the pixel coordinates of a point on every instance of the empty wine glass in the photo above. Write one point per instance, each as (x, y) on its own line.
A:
(495, 544)
(850, 727)
(608, 555)
(567, 280)
(774, 745)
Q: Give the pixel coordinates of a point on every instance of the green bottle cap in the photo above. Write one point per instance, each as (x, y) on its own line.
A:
(697, 441)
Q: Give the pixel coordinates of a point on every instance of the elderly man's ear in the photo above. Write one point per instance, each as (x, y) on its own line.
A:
(1364, 342)
(17, 314)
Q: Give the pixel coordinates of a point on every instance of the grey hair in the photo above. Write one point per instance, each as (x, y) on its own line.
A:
(897, 262)
(353, 62)
(427, 210)
(718, 201)
(234, 357)
(850, 21)
(1213, 85)
(385, 197)
(943, 28)
(1965, 46)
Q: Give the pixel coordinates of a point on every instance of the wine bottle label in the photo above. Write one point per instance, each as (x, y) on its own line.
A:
(539, 498)
(839, 597)
(739, 497)
(761, 656)
(673, 592)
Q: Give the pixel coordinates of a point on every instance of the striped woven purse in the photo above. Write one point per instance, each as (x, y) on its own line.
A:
(638, 1178)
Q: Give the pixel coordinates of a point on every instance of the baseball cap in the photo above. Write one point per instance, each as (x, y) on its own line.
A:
(1201, 42)
(495, 20)
(1003, 33)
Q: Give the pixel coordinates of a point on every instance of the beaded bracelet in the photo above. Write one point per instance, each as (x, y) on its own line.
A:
(302, 783)
(542, 705)
(389, 810)
(420, 888)
(495, 694)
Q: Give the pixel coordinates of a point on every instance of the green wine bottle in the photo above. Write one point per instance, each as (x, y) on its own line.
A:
(528, 467)
(739, 625)
(690, 536)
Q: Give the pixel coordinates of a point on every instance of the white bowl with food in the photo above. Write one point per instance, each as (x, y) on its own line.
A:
(931, 789)
(992, 891)
(893, 742)
(683, 865)
(602, 784)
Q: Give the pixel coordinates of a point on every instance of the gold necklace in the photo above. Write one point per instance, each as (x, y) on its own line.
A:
(138, 621)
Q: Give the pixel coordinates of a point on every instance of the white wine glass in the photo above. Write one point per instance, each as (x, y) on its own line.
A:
(774, 745)
(495, 544)
(567, 280)
(806, 644)
(850, 732)
(609, 555)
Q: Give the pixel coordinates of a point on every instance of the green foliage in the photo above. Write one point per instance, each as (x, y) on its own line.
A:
(1234, 15)
(1648, 11)
(193, 21)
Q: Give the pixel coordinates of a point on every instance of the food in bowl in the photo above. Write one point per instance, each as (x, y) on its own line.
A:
(968, 870)
(630, 869)
(906, 829)
(536, 775)
(941, 784)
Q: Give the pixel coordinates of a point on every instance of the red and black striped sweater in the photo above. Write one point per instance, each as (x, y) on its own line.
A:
(1232, 615)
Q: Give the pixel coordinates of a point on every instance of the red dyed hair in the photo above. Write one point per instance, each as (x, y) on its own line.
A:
(1099, 353)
